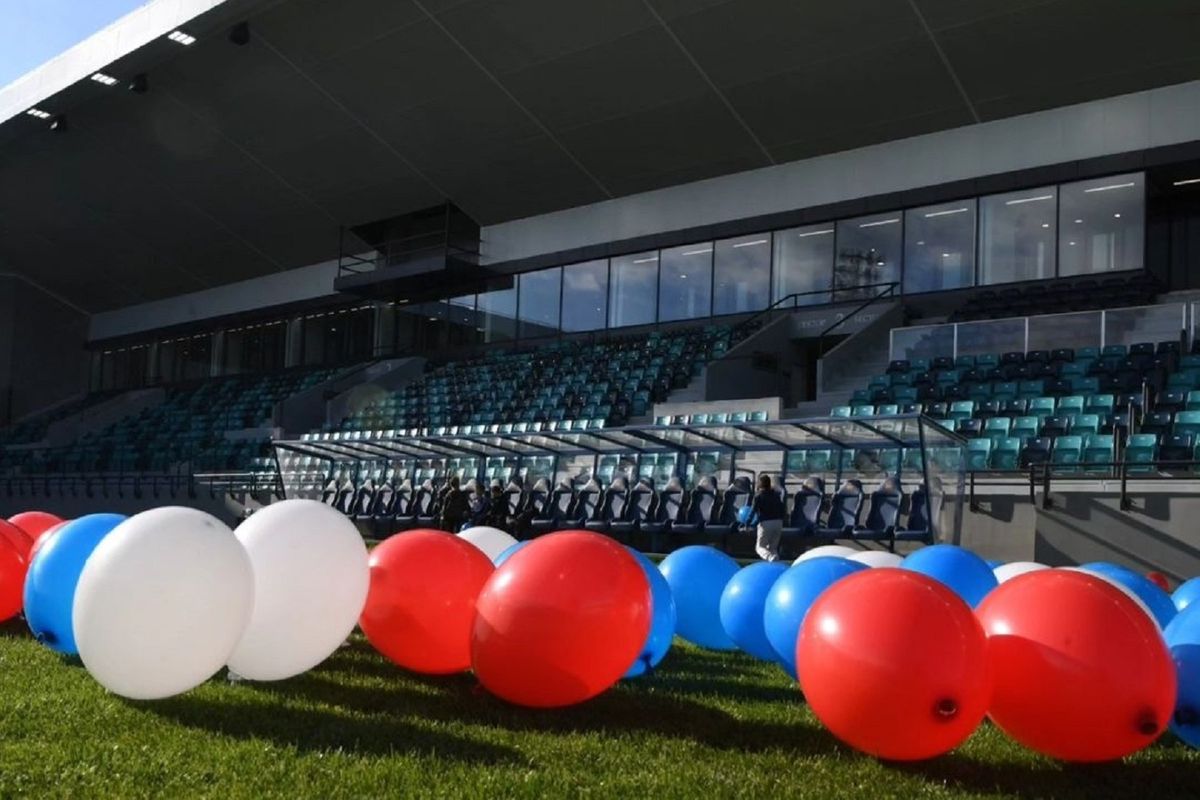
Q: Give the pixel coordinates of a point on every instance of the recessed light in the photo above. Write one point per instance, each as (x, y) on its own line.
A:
(921, 242)
(945, 255)
(37, 112)
(1117, 216)
(1186, 182)
(814, 233)
(100, 77)
(1071, 243)
(1045, 224)
(181, 37)
(1078, 221)
(701, 252)
(944, 213)
(1020, 200)
(880, 222)
(683, 274)
(751, 244)
(645, 260)
(1110, 186)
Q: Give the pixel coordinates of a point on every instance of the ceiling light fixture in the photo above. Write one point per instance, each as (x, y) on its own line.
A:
(814, 233)
(879, 222)
(1117, 215)
(695, 253)
(645, 260)
(1186, 182)
(1020, 200)
(37, 112)
(107, 80)
(944, 213)
(751, 244)
(1045, 224)
(1110, 186)
(181, 37)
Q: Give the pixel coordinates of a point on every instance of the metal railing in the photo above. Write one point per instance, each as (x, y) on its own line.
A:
(788, 303)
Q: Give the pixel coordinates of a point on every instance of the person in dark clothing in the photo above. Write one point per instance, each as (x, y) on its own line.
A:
(497, 511)
(768, 509)
(456, 505)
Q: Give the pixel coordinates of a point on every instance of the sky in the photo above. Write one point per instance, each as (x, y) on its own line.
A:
(34, 31)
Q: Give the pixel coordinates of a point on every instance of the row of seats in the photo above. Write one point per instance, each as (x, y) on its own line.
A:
(1081, 294)
(34, 429)
(722, 418)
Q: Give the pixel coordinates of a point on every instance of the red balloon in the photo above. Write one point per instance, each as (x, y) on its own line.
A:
(1081, 672)
(12, 580)
(42, 538)
(561, 620)
(18, 538)
(421, 604)
(35, 523)
(1159, 580)
(894, 663)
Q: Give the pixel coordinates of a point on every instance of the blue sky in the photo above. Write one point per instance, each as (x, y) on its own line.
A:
(35, 31)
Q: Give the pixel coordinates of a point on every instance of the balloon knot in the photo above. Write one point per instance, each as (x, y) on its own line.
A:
(946, 708)
(1147, 724)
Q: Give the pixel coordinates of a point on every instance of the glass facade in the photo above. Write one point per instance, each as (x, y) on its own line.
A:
(585, 296)
(633, 290)
(498, 314)
(255, 348)
(540, 294)
(1101, 224)
(1017, 236)
(939, 247)
(336, 337)
(742, 274)
(868, 252)
(685, 282)
(803, 263)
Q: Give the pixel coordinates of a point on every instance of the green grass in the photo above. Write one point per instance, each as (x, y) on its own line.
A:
(705, 724)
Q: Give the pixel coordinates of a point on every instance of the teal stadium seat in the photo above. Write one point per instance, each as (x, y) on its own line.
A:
(1099, 452)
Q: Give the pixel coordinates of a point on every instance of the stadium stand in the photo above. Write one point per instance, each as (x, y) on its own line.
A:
(1046, 297)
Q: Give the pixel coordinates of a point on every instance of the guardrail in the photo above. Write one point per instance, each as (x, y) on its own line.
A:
(1042, 475)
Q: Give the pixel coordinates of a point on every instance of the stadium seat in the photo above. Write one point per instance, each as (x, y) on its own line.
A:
(845, 508)
(1067, 453)
(1006, 453)
(884, 513)
(1187, 422)
(1175, 448)
(1141, 451)
(806, 509)
(979, 452)
(1035, 451)
(923, 507)
(1099, 452)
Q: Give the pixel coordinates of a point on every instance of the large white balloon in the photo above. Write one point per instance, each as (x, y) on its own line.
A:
(1006, 572)
(310, 583)
(877, 558)
(1128, 592)
(162, 602)
(491, 541)
(835, 550)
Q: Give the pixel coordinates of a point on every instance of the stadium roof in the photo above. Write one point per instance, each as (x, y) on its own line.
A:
(245, 160)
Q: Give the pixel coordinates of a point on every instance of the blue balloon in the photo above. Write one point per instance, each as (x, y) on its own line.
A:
(992, 564)
(1183, 638)
(53, 575)
(1187, 593)
(746, 516)
(508, 552)
(742, 604)
(966, 573)
(662, 620)
(697, 575)
(791, 597)
(1158, 601)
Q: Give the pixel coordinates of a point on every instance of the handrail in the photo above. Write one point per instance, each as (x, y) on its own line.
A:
(745, 324)
(887, 292)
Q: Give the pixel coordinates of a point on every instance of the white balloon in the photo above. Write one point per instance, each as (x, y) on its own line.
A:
(310, 584)
(1006, 572)
(1128, 592)
(835, 550)
(491, 541)
(162, 602)
(877, 558)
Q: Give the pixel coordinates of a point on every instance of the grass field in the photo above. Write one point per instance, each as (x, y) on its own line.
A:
(706, 724)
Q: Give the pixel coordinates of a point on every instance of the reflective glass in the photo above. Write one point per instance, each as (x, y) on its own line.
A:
(742, 274)
(939, 247)
(685, 282)
(633, 289)
(539, 302)
(585, 296)
(498, 314)
(1016, 241)
(803, 263)
(1101, 224)
(868, 252)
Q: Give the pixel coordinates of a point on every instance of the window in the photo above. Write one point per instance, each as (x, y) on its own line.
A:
(540, 293)
(255, 348)
(585, 296)
(685, 282)
(633, 290)
(742, 274)
(1017, 231)
(498, 314)
(868, 252)
(1101, 225)
(939, 247)
(803, 263)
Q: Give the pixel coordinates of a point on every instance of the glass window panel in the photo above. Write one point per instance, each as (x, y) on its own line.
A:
(939, 247)
(1016, 241)
(633, 290)
(804, 263)
(540, 293)
(991, 336)
(1051, 331)
(498, 314)
(1101, 224)
(585, 296)
(922, 341)
(868, 252)
(742, 274)
(255, 348)
(685, 282)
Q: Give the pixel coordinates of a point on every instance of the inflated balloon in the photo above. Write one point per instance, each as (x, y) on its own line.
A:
(877, 558)
(421, 607)
(895, 664)
(1187, 593)
(827, 551)
(993, 564)
(662, 620)
(1160, 580)
(35, 523)
(44, 537)
(53, 575)
(1183, 639)
(561, 621)
(742, 604)
(1006, 572)
(162, 603)
(18, 538)
(492, 541)
(507, 554)
(12, 579)
(697, 575)
(1081, 672)
(963, 571)
(310, 583)
(791, 597)
(1159, 602)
